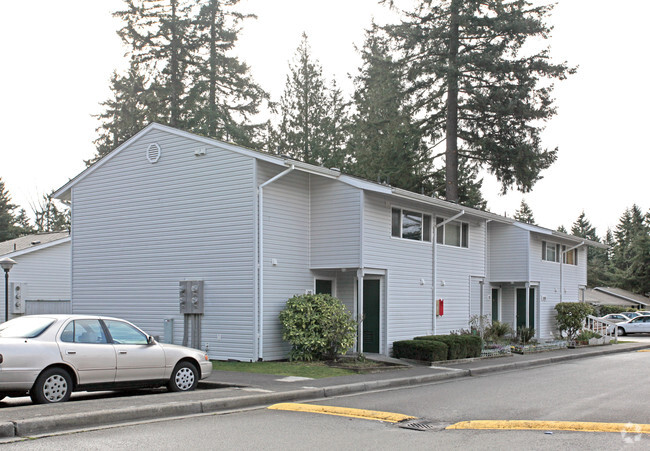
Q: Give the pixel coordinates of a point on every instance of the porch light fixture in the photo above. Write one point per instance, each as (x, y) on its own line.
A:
(6, 264)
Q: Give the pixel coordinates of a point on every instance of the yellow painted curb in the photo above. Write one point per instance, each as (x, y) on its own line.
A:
(342, 411)
(554, 425)
(644, 350)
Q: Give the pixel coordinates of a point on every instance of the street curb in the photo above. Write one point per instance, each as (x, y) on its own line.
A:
(6, 429)
(55, 423)
(550, 360)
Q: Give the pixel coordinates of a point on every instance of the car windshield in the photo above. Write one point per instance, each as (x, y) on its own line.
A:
(25, 327)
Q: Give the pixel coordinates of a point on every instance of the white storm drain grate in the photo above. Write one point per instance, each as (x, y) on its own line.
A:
(421, 425)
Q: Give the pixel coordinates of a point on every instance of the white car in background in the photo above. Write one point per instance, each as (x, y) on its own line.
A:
(50, 356)
(640, 324)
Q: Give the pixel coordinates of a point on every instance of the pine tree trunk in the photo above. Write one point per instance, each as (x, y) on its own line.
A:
(451, 154)
(212, 101)
(173, 68)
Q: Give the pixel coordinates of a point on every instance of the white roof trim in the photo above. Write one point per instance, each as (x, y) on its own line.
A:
(62, 193)
(533, 228)
(37, 247)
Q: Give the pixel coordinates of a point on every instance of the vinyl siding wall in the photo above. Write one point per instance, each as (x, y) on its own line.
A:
(508, 257)
(461, 269)
(548, 276)
(335, 224)
(140, 228)
(408, 263)
(286, 239)
(46, 273)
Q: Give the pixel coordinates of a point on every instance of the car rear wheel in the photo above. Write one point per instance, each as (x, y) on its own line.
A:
(185, 377)
(621, 331)
(52, 386)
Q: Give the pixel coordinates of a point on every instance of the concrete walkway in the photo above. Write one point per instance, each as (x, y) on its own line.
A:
(225, 390)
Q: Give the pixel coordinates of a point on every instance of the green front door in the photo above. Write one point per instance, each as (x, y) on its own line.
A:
(495, 304)
(371, 316)
(521, 308)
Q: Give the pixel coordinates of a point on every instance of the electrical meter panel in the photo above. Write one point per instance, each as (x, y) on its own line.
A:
(190, 297)
(17, 298)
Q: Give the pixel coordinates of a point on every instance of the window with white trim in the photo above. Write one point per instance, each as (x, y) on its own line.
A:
(550, 252)
(410, 225)
(454, 233)
(571, 257)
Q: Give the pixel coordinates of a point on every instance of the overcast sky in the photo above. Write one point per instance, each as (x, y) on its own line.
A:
(58, 58)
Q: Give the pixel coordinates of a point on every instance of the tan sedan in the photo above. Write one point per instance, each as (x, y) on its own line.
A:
(50, 356)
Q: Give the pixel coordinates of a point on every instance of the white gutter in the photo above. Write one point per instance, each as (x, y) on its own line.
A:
(434, 266)
(562, 253)
(260, 219)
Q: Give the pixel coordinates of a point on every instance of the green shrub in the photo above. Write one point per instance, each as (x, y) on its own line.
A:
(525, 334)
(473, 345)
(426, 350)
(497, 331)
(317, 326)
(586, 335)
(459, 346)
(571, 317)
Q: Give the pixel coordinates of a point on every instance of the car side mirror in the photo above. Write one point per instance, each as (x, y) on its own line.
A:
(150, 340)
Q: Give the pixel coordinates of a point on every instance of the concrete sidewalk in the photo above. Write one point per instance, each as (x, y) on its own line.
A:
(225, 390)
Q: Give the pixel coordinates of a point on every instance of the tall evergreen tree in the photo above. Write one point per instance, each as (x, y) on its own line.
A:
(305, 109)
(162, 40)
(562, 229)
(474, 85)
(8, 229)
(384, 144)
(135, 101)
(469, 184)
(23, 223)
(630, 252)
(223, 94)
(598, 273)
(524, 214)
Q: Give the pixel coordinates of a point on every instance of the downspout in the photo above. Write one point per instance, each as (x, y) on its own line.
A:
(260, 226)
(434, 266)
(562, 254)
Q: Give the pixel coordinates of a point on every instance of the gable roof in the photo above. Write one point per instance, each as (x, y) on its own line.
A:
(624, 295)
(554, 233)
(30, 243)
(63, 193)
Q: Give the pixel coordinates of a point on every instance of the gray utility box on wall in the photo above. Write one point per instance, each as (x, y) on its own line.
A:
(17, 298)
(190, 297)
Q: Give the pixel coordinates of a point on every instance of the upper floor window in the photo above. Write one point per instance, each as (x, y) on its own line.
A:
(411, 225)
(550, 252)
(571, 257)
(453, 233)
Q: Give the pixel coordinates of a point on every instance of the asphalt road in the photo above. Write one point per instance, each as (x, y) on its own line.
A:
(612, 388)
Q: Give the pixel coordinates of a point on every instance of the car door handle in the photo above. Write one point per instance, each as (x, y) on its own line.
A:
(122, 352)
(70, 352)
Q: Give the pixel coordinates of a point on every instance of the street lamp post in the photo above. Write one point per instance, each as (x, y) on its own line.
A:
(6, 264)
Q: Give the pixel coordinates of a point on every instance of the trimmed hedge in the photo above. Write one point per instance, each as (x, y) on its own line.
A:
(459, 346)
(426, 350)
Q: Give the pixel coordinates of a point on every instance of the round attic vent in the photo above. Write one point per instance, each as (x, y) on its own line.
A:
(153, 153)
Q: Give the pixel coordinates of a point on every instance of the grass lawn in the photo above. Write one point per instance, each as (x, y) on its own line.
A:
(315, 370)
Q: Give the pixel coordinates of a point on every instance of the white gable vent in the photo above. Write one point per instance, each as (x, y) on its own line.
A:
(153, 153)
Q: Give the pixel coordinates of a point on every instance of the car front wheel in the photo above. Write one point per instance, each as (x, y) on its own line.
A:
(185, 377)
(53, 385)
(621, 331)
